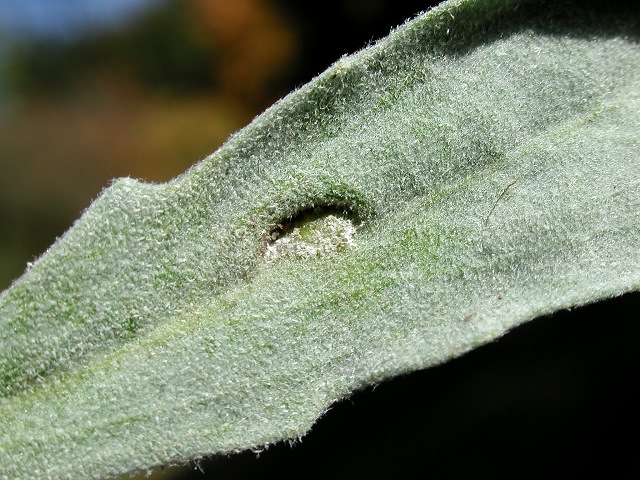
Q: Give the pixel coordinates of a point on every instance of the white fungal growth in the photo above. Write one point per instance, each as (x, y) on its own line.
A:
(319, 237)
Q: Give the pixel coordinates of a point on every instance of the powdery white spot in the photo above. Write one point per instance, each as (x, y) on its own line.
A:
(320, 237)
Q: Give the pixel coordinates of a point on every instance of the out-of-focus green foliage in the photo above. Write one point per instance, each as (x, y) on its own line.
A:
(163, 50)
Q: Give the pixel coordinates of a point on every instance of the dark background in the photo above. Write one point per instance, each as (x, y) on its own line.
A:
(151, 94)
(555, 398)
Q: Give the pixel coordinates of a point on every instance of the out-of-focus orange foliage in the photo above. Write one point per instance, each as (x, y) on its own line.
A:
(255, 44)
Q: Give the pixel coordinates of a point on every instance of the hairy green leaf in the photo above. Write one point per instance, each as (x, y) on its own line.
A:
(474, 170)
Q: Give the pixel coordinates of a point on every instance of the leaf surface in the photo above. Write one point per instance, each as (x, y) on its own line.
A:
(472, 171)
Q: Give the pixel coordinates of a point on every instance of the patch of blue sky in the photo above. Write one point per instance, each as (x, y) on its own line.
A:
(66, 19)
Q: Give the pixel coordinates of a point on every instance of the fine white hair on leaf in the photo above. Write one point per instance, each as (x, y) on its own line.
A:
(176, 320)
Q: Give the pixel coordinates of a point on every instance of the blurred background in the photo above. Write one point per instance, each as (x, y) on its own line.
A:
(92, 90)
